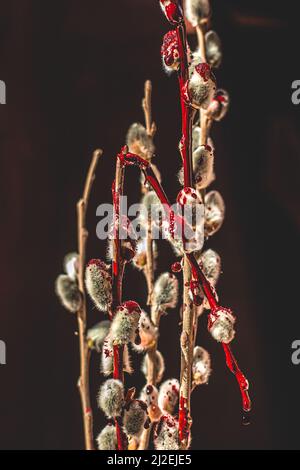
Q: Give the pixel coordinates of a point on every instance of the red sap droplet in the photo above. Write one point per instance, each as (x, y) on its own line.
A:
(176, 267)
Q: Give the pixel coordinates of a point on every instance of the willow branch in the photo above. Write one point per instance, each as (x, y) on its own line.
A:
(82, 234)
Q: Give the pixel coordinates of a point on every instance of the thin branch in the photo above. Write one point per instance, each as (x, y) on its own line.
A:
(82, 234)
(147, 107)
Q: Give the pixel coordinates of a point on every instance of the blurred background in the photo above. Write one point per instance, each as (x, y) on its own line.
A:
(75, 73)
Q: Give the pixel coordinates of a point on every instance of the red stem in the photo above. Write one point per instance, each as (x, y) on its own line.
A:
(187, 112)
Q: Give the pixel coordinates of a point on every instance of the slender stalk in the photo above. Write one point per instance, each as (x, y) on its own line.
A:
(117, 276)
(82, 234)
(188, 114)
(149, 268)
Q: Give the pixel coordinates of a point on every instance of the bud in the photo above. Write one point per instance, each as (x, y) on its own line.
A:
(221, 325)
(213, 47)
(165, 292)
(140, 259)
(166, 435)
(201, 368)
(203, 159)
(214, 213)
(147, 334)
(135, 418)
(211, 264)
(71, 265)
(97, 334)
(219, 105)
(197, 10)
(197, 139)
(152, 208)
(107, 358)
(139, 142)
(172, 10)
(98, 284)
(125, 323)
(107, 439)
(201, 86)
(111, 398)
(170, 52)
(203, 162)
(159, 366)
(149, 395)
(68, 293)
(168, 395)
(193, 212)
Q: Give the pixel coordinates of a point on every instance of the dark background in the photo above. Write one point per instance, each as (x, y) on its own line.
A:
(74, 72)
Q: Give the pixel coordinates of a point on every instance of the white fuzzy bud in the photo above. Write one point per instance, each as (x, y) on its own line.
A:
(201, 86)
(140, 259)
(68, 293)
(97, 334)
(111, 398)
(213, 48)
(159, 366)
(203, 162)
(221, 325)
(125, 323)
(98, 284)
(203, 165)
(107, 439)
(168, 395)
(71, 265)
(149, 395)
(139, 142)
(165, 292)
(218, 107)
(201, 368)
(166, 435)
(135, 418)
(147, 334)
(197, 10)
(214, 212)
(211, 264)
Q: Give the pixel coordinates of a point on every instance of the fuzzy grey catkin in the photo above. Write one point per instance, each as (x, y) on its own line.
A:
(125, 323)
(219, 106)
(213, 48)
(165, 292)
(107, 439)
(168, 395)
(211, 263)
(111, 398)
(214, 212)
(98, 284)
(201, 366)
(67, 291)
(203, 166)
(139, 142)
(166, 436)
(70, 265)
(197, 10)
(222, 325)
(159, 366)
(140, 259)
(135, 418)
(97, 334)
(201, 86)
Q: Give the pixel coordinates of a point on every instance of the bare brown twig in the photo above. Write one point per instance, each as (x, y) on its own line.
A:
(83, 381)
